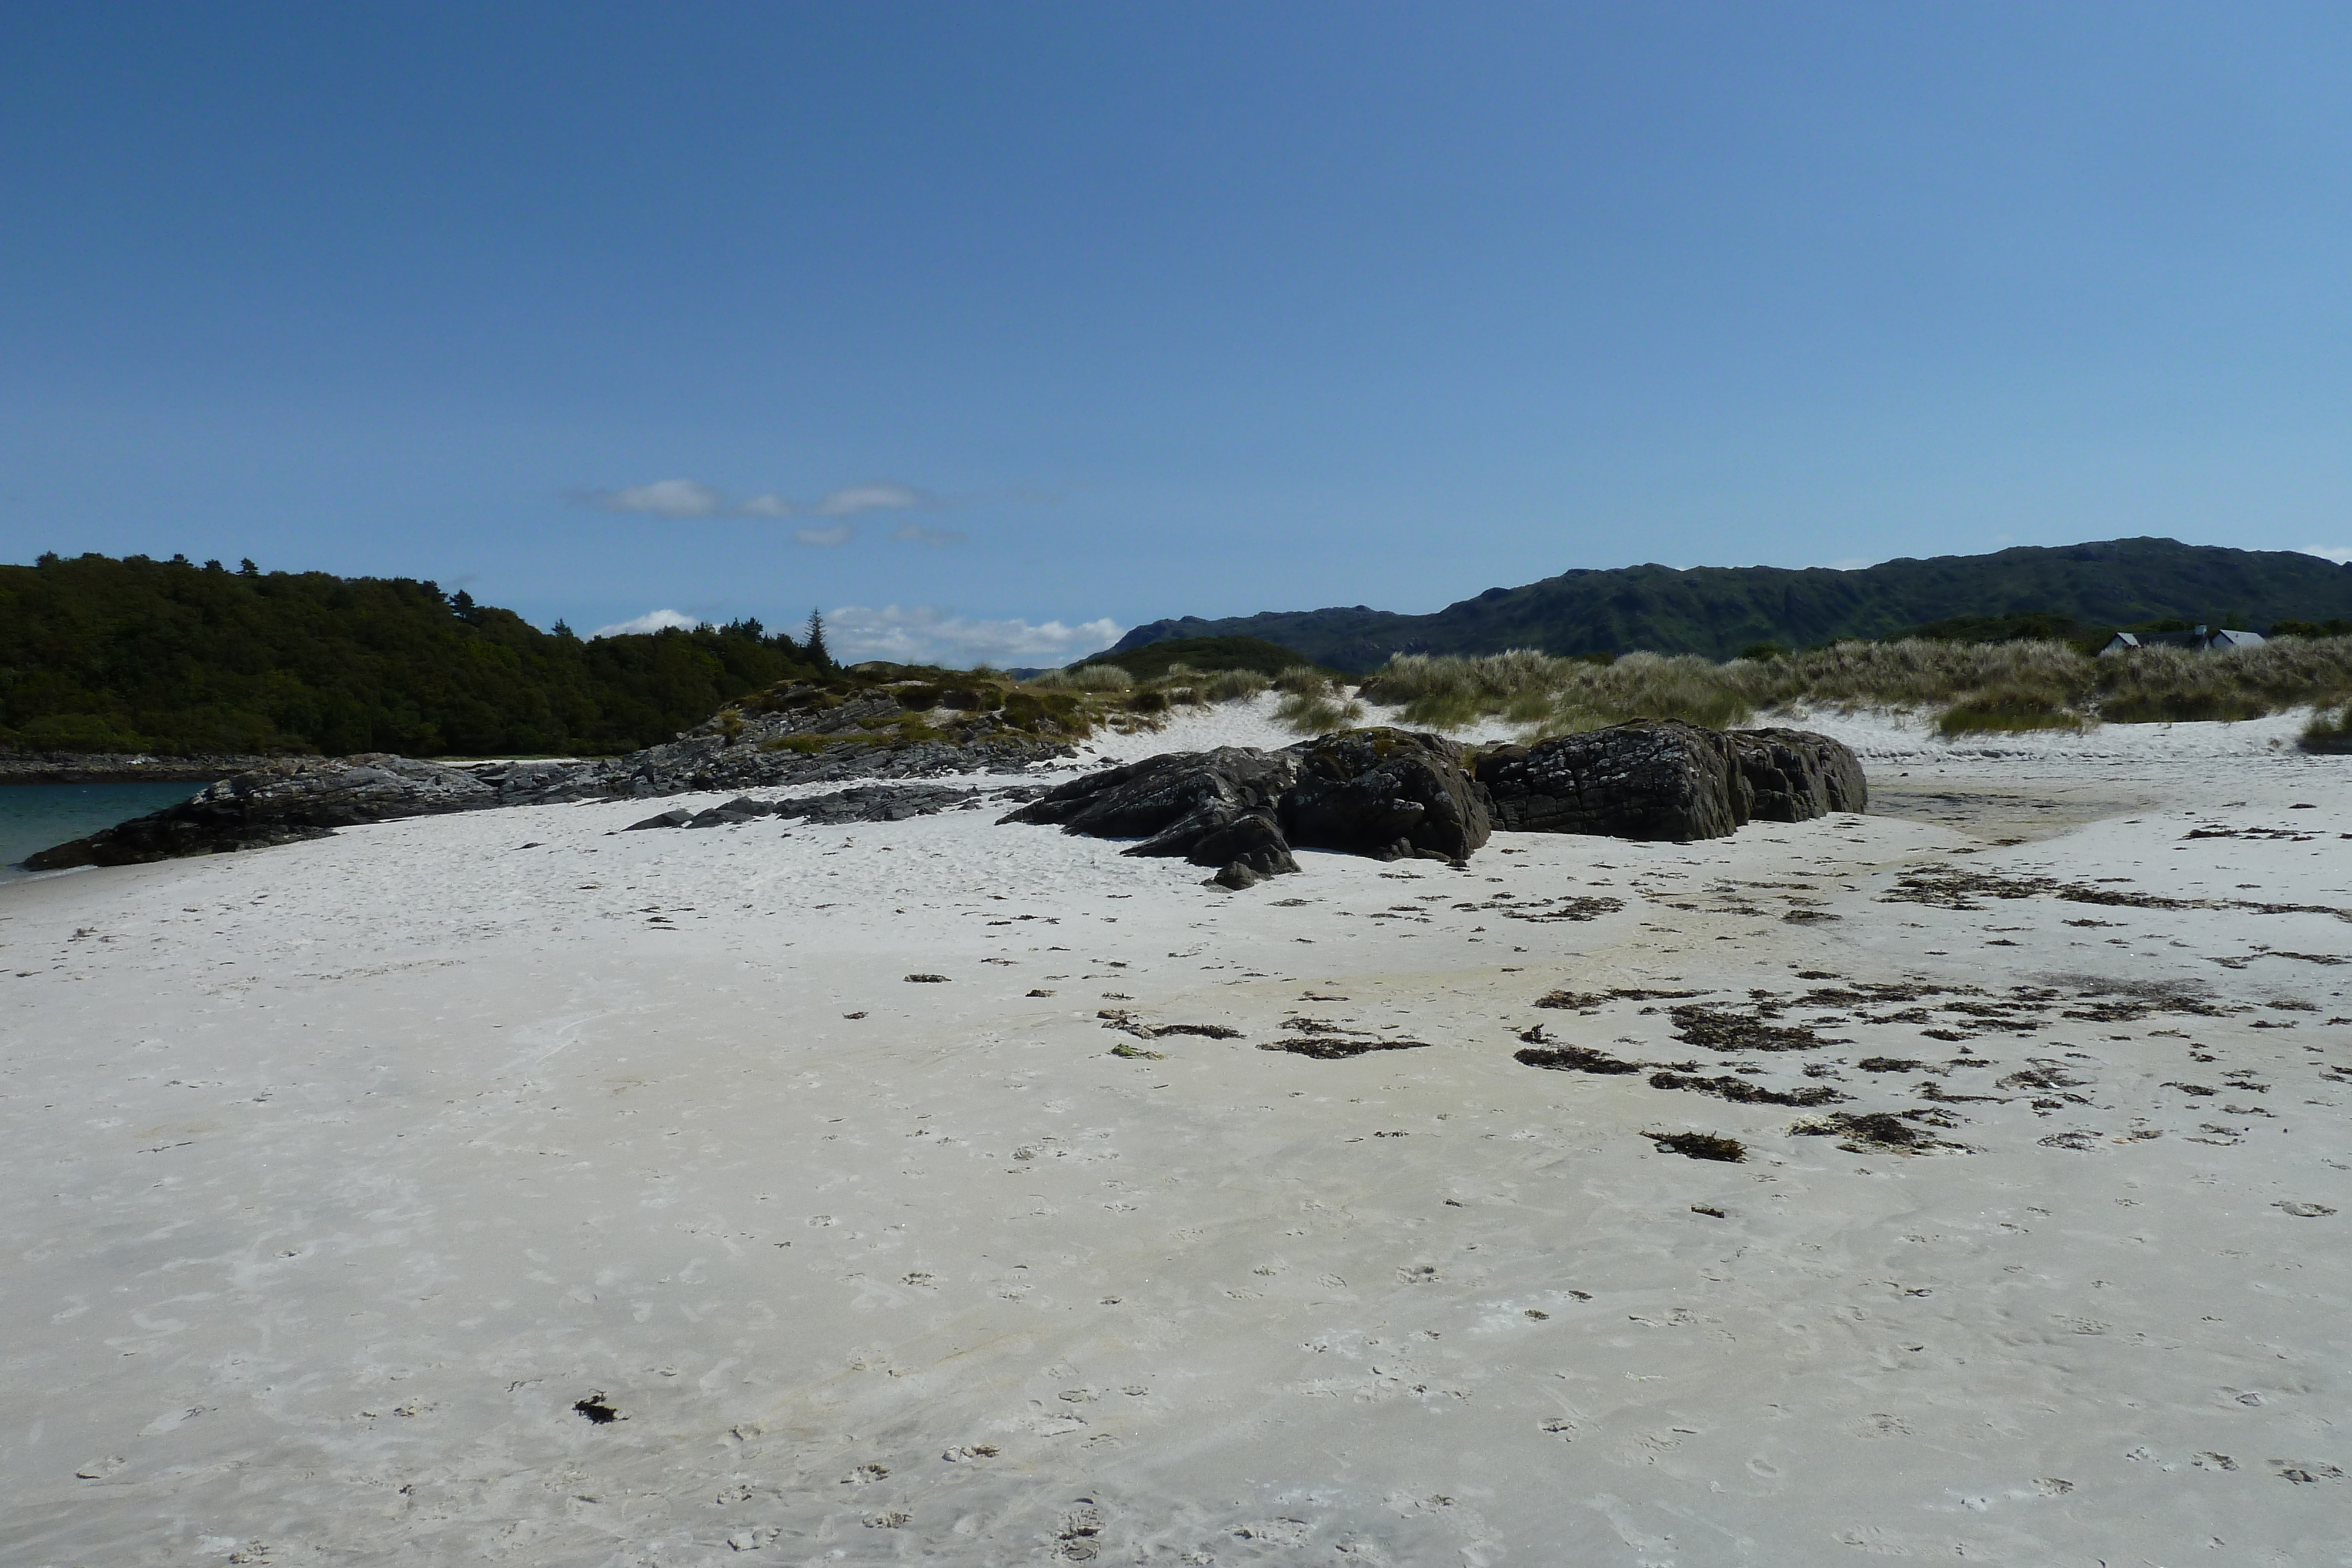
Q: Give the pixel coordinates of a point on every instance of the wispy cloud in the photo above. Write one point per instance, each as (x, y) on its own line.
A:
(2340, 554)
(849, 501)
(923, 635)
(883, 498)
(652, 620)
(937, 538)
(829, 537)
(663, 497)
(693, 498)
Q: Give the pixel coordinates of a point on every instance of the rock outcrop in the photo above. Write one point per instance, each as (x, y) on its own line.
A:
(282, 803)
(872, 803)
(1212, 807)
(1662, 779)
(1389, 793)
(1651, 778)
(1794, 775)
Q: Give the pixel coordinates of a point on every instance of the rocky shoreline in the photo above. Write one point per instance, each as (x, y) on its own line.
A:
(1385, 792)
(107, 768)
(797, 735)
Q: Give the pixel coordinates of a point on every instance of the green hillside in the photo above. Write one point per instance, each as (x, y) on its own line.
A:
(98, 654)
(1718, 611)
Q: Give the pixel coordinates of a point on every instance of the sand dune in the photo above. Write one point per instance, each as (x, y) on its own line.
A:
(505, 1187)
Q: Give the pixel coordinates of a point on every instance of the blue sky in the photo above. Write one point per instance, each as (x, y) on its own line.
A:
(994, 330)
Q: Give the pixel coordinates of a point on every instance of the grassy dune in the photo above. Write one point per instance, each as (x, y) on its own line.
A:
(2003, 687)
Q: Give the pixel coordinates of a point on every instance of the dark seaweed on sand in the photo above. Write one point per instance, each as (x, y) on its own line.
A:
(1325, 1048)
(1579, 999)
(1876, 1132)
(1721, 1028)
(1728, 1087)
(1573, 1058)
(1700, 1145)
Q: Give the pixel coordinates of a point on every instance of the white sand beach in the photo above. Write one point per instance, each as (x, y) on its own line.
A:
(348, 1183)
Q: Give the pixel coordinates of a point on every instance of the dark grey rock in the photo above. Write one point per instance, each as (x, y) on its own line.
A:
(887, 802)
(1397, 794)
(1662, 779)
(1236, 876)
(282, 803)
(1254, 839)
(1178, 803)
(1385, 792)
(1795, 775)
(870, 803)
(1651, 778)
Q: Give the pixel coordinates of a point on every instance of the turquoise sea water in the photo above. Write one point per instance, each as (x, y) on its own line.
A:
(34, 816)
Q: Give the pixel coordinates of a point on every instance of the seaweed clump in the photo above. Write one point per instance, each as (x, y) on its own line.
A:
(1700, 1145)
(1581, 999)
(1327, 1048)
(1573, 1058)
(1720, 1028)
(1877, 1132)
(1741, 1090)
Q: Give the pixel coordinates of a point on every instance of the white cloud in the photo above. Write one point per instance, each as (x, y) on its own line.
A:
(915, 533)
(693, 498)
(663, 497)
(927, 636)
(652, 620)
(882, 498)
(828, 537)
(2340, 554)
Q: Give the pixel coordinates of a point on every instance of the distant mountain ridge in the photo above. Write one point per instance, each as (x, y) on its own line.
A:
(1717, 610)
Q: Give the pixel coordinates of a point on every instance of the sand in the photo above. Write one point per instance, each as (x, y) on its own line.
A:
(349, 1183)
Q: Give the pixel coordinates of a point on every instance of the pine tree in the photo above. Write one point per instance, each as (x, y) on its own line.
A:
(816, 651)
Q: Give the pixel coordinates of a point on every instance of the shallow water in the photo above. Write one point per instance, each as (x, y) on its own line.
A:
(33, 817)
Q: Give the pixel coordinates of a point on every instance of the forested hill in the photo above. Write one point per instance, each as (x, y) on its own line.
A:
(1718, 611)
(98, 654)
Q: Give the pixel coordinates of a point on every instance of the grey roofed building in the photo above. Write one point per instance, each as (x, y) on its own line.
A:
(2201, 639)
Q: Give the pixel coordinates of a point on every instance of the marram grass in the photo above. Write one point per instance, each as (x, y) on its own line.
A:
(1973, 687)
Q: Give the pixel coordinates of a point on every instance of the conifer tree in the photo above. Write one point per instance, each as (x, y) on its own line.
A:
(817, 652)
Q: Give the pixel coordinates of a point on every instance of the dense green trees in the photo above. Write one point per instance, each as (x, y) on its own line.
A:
(98, 654)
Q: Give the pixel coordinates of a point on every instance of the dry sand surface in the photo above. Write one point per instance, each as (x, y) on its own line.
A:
(502, 1188)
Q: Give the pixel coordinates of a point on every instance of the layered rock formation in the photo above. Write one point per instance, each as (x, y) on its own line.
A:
(1663, 779)
(1794, 775)
(1393, 793)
